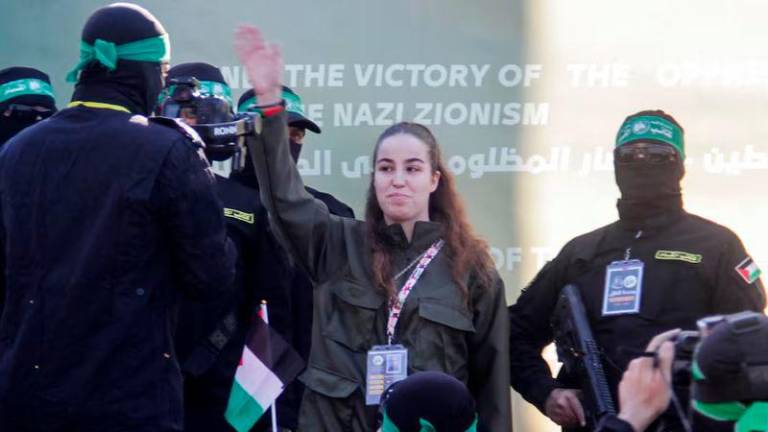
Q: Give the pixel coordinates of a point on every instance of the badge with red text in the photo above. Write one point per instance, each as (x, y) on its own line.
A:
(623, 287)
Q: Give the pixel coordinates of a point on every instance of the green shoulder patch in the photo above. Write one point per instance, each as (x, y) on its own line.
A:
(239, 215)
(678, 256)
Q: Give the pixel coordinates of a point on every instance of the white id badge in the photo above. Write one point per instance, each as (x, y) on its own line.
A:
(386, 364)
(623, 287)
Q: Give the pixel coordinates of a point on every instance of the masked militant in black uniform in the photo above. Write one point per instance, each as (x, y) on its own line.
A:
(210, 338)
(26, 97)
(656, 268)
(108, 217)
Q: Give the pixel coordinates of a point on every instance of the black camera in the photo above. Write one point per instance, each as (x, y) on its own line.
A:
(210, 116)
(183, 99)
(685, 346)
(225, 140)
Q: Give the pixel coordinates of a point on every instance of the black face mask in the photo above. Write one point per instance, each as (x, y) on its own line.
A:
(20, 117)
(133, 85)
(295, 150)
(648, 189)
(10, 126)
(646, 182)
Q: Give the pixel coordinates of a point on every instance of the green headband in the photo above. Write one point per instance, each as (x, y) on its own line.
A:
(26, 86)
(696, 372)
(292, 104)
(653, 128)
(388, 426)
(748, 418)
(155, 49)
(248, 105)
(206, 88)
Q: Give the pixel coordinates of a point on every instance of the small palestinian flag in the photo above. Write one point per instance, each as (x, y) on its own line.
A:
(748, 270)
(268, 365)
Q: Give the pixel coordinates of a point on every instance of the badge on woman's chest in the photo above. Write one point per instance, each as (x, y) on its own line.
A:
(623, 287)
(386, 364)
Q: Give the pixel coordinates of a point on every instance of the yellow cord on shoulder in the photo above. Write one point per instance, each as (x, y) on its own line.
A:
(98, 105)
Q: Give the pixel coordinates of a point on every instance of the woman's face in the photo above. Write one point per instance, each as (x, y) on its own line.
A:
(403, 179)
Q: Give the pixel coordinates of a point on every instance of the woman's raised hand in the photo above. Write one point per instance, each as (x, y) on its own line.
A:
(263, 62)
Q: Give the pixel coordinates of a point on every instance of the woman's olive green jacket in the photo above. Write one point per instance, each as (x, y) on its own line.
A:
(441, 330)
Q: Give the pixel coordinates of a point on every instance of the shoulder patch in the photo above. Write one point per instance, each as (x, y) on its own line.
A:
(678, 256)
(748, 270)
(180, 126)
(239, 215)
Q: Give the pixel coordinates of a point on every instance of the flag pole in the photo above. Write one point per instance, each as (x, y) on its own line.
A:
(273, 409)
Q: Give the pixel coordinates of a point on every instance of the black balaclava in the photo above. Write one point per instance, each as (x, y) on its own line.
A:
(435, 397)
(133, 84)
(247, 174)
(724, 358)
(729, 380)
(649, 190)
(10, 126)
(295, 149)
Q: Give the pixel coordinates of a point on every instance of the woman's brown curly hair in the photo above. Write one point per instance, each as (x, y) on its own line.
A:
(467, 252)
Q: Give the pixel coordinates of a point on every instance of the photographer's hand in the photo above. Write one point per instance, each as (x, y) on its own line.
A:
(644, 389)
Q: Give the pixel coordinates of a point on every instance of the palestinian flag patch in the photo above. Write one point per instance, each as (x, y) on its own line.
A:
(748, 270)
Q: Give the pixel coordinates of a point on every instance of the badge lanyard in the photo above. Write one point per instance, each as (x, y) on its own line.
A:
(388, 364)
(396, 304)
(623, 289)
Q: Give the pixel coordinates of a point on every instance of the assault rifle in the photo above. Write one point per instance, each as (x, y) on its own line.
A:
(580, 355)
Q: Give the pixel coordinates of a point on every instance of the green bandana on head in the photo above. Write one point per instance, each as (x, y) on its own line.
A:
(22, 87)
(387, 425)
(216, 89)
(748, 418)
(293, 103)
(696, 372)
(155, 49)
(651, 128)
(206, 88)
(249, 105)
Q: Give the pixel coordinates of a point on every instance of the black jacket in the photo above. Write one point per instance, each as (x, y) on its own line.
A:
(107, 217)
(689, 273)
(264, 272)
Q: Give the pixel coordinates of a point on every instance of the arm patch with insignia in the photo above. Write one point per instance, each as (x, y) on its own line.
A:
(748, 270)
(678, 256)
